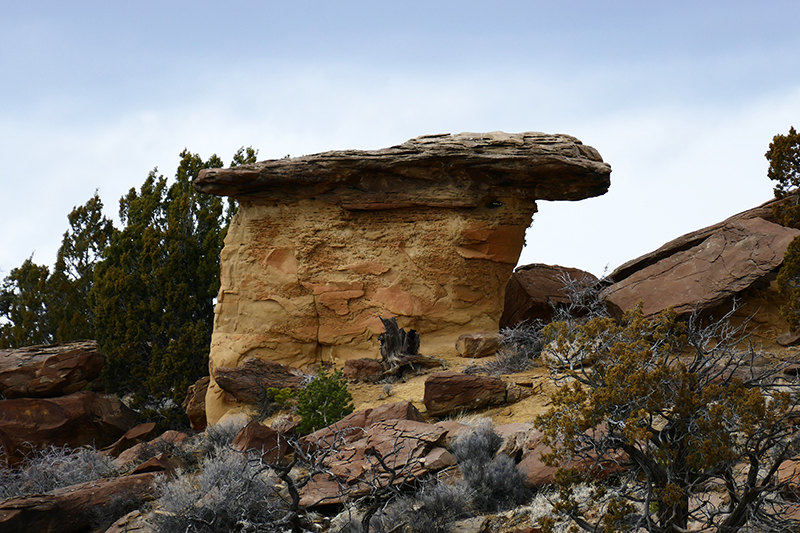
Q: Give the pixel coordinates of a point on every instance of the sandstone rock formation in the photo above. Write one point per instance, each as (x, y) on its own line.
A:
(323, 246)
(738, 257)
(451, 392)
(80, 419)
(534, 289)
(48, 371)
(69, 510)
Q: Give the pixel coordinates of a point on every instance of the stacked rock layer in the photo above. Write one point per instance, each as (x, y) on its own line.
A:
(323, 246)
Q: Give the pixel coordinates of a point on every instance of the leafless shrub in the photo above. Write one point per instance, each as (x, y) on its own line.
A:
(228, 493)
(219, 436)
(493, 478)
(53, 468)
(524, 342)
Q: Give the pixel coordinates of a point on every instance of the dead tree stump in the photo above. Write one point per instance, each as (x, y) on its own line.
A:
(400, 349)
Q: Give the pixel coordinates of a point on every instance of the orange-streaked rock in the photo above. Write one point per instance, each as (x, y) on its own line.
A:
(323, 246)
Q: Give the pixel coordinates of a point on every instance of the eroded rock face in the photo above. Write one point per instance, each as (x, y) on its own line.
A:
(82, 418)
(323, 246)
(48, 371)
(705, 268)
(534, 289)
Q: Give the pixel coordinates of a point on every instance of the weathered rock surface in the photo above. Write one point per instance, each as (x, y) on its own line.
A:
(348, 426)
(408, 449)
(249, 382)
(534, 289)
(369, 370)
(705, 268)
(195, 403)
(323, 246)
(257, 436)
(135, 435)
(49, 370)
(82, 418)
(450, 392)
(69, 509)
(133, 522)
(163, 442)
(478, 344)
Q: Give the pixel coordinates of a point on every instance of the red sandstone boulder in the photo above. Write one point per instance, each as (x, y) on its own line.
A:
(48, 371)
(450, 392)
(158, 444)
(163, 462)
(257, 436)
(408, 449)
(67, 510)
(705, 268)
(131, 438)
(534, 289)
(351, 427)
(195, 403)
(473, 345)
(368, 370)
(82, 418)
(789, 477)
(249, 382)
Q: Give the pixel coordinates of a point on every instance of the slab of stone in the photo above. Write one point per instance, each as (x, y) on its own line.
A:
(703, 269)
(49, 370)
(474, 345)
(451, 392)
(68, 510)
(534, 289)
(419, 172)
(80, 419)
(195, 403)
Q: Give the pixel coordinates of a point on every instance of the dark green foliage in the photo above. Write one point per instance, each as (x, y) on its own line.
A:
(83, 245)
(42, 307)
(784, 168)
(23, 305)
(154, 291)
(789, 284)
(323, 401)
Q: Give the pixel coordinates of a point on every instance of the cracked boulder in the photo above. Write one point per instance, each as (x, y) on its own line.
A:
(704, 270)
(46, 371)
(324, 246)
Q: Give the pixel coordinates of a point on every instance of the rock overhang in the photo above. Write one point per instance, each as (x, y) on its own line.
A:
(462, 170)
(324, 246)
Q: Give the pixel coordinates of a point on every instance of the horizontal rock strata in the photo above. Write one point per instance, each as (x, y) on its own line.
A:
(324, 246)
(49, 370)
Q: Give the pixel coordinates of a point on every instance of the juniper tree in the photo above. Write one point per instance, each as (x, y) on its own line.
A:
(154, 291)
(23, 306)
(784, 168)
(672, 412)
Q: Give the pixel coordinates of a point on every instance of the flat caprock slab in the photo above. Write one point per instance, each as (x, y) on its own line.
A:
(435, 170)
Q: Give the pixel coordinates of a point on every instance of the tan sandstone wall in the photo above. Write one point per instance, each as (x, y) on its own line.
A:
(308, 282)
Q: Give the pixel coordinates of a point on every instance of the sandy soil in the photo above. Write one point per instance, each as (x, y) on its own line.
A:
(412, 388)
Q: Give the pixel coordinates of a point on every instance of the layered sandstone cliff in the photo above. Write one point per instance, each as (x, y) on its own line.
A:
(429, 231)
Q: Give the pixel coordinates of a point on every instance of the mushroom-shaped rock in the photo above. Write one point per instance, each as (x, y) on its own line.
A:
(324, 246)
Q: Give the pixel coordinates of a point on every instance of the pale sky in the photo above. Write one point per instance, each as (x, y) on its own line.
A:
(681, 98)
